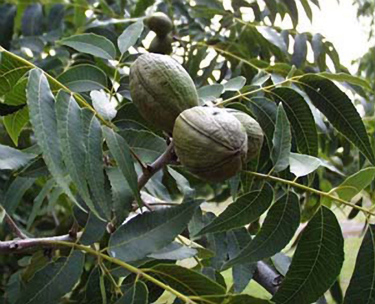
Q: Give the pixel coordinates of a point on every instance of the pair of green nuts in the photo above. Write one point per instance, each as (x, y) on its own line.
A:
(212, 143)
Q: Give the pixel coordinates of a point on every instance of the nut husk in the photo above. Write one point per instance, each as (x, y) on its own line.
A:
(210, 143)
(161, 45)
(253, 130)
(160, 23)
(161, 89)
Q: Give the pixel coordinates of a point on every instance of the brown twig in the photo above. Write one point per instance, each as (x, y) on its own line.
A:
(13, 226)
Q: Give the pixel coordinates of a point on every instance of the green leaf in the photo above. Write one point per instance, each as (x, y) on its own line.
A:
(32, 20)
(245, 299)
(149, 232)
(43, 119)
(174, 251)
(137, 294)
(277, 230)
(121, 152)
(235, 84)
(15, 193)
(355, 183)
(145, 144)
(307, 8)
(102, 104)
(7, 14)
(293, 11)
(17, 96)
(12, 159)
(14, 123)
(94, 230)
(187, 281)
(53, 281)
(94, 167)
(299, 50)
(316, 263)
(301, 120)
(92, 44)
(130, 36)
(83, 78)
(339, 110)
(301, 164)
(343, 77)
(11, 70)
(272, 36)
(246, 209)
(141, 7)
(282, 138)
(80, 7)
(210, 92)
(70, 131)
(362, 284)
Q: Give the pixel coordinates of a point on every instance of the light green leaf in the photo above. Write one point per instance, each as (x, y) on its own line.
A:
(302, 164)
(92, 44)
(15, 193)
(235, 84)
(149, 232)
(17, 96)
(343, 77)
(362, 284)
(94, 162)
(210, 92)
(130, 36)
(14, 123)
(12, 159)
(137, 294)
(339, 110)
(277, 230)
(121, 152)
(70, 131)
(53, 281)
(316, 263)
(281, 141)
(102, 104)
(43, 119)
(83, 78)
(174, 251)
(246, 209)
(355, 183)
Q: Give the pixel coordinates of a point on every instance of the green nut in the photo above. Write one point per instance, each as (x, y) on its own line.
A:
(161, 45)
(160, 23)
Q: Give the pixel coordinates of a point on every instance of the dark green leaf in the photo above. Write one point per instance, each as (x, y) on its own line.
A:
(246, 209)
(281, 141)
(362, 284)
(293, 11)
(273, 36)
(53, 281)
(83, 78)
(245, 299)
(94, 230)
(300, 50)
(307, 8)
(187, 281)
(277, 230)
(343, 77)
(339, 110)
(235, 84)
(141, 7)
(174, 251)
(7, 14)
(12, 159)
(150, 232)
(121, 152)
(32, 20)
(316, 263)
(15, 193)
(130, 36)
(43, 119)
(15, 123)
(92, 44)
(137, 294)
(301, 119)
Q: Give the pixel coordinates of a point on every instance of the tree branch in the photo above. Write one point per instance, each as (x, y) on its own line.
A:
(13, 226)
(268, 278)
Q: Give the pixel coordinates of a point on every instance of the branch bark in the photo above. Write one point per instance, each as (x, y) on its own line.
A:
(268, 278)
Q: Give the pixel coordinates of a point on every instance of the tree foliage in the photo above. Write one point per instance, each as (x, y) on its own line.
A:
(96, 208)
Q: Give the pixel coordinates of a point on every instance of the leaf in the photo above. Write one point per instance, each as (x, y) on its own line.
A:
(149, 232)
(277, 230)
(7, 14)
(83, 78)
(94, 230)
(235, 84)
(70, 132)
(339, 110)
(301, 120)
(300, 50)
(187, 281)
(15, 123)
(102, 104)
(174, 251)
(210, 92)
(15, 193)
(94, 167)
(121, 152)
(43, 119)
(272, 36)
(12, 159)
(53, 281)
(92, 44)
(141, 7)
(344, 77)
(245, 299)
(307, 8)
(362, 284)
(137, 294)
(355, 183)
(32, 20)
(293, 11)
(130, 36)
(246, 209)
(281, 141)
(301, 165)
(316, 263)
(145, 144)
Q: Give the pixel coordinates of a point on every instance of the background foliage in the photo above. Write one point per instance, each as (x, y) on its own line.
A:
(74, 150)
